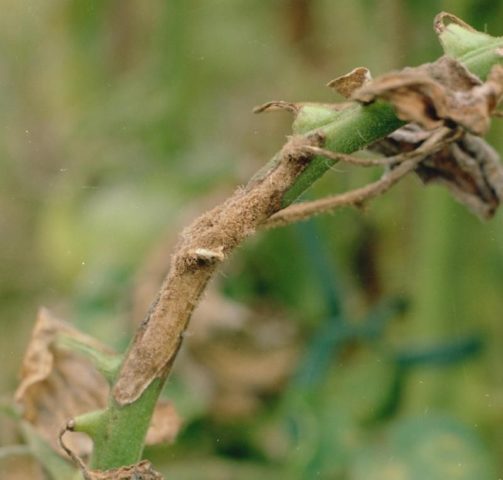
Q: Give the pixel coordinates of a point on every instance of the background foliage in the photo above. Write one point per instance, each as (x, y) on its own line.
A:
(324, 349)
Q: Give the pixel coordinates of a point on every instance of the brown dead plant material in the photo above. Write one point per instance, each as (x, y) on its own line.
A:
(345, 85)
(140, 471)
(439, 93)
(58, 384)
(468, 167)
(445, 18)
(209, 240)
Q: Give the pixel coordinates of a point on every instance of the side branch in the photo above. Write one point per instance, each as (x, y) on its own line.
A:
(407, 162)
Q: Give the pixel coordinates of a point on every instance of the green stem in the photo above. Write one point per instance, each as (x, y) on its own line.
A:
(119, 437)
(353, 129)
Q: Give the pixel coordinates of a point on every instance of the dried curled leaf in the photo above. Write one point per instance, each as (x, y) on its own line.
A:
(439, 93)
(347, 84)
(472, 172)
(139, 471)
(469, 167)
(276, 105)
(58, 384)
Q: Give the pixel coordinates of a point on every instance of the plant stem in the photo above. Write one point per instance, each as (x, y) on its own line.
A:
(119, 438)
(209, 240)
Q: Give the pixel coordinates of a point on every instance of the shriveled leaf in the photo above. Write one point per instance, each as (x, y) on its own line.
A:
(243, 372)
(469, 168)
(347, 84)
(439, 93)
(242, 362)
(58, 384)
(472, 172)
(139, 471)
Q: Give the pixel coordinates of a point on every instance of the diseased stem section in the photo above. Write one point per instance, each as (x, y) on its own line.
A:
(211, 239)
(208, 241)
(203, 246)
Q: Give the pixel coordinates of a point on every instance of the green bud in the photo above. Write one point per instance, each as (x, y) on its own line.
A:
(478, 51)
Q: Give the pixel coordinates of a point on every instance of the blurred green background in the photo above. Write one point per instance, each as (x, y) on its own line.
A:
(361, 345)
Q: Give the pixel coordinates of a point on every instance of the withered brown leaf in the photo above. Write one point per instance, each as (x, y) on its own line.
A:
(346, 84)
(439, 93)
(58, 384)
(469, 167)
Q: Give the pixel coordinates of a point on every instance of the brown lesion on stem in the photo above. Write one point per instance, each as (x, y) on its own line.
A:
(203, 245)
(214, 235)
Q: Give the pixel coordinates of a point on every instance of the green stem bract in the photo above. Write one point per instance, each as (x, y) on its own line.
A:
(90, 422)
(120, 435)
